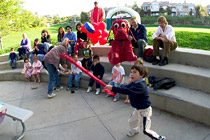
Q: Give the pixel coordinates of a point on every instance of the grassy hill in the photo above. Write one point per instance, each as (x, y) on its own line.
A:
(187, 36)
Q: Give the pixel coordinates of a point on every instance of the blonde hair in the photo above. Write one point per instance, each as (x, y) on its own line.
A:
(139, 61)
(35, 57)
(65, 42)
(162, 19)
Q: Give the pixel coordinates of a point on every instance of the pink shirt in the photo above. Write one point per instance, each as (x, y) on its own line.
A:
(95, 15)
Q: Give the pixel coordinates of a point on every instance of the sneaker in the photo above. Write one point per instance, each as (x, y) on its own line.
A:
(72, 91)
(97, 91)
(51, 96)
(76, 88)
(58, 89)
(89, 89)
(162, 138)
(68, 88)
(155, 62)
(132, 133)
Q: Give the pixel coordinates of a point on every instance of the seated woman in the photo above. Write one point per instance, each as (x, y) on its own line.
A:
(46, 40)
(61, 33)
(80, 37)
(38, 49)
(25, 47)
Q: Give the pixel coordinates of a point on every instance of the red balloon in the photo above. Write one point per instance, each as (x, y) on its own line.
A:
(95, 25)
(83, 29)
(105, 34)
(102, 25)
(94, 40)
(97, 33)
(102, 41)
(89, 35)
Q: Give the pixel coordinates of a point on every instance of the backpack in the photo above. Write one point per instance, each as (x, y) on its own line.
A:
(163, 83)
(148, 55)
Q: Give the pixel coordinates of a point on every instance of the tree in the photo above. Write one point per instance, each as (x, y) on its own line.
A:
(149, 12)
(197, 10)
(136, 8)
(9, 13)
(190, 13)
(161, 10)
(142, 13)
(84, 17)
(169, 11)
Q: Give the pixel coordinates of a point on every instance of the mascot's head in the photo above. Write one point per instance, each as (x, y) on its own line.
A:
(120, 29)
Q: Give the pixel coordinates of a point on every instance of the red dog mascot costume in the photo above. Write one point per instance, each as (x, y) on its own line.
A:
(122, 49)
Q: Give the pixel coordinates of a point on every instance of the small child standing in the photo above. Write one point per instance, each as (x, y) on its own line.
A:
(139, 99)
(28, 69)
(13, 58)
(98, 71)
(87, 53)
(37, 65)
(118, 74)
(76, 74)
(139, 61)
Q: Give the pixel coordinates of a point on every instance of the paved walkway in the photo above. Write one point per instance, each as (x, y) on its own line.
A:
(84, 116)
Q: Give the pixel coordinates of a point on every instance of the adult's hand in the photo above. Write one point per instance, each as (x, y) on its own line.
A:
(130, 37)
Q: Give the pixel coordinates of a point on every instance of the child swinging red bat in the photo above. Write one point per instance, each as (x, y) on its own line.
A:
(88, 73)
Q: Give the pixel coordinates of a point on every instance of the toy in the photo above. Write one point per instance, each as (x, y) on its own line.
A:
(121, 47)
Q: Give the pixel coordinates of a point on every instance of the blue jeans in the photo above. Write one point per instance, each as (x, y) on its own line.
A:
(46, 46)
(13, 61)
(91, 82)
(113, 83)
(53, 78)
(40, 56)
(77, 79)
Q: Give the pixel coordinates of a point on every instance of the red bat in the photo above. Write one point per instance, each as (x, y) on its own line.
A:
(88, 73)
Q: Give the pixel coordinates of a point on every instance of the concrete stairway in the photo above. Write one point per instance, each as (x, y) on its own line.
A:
(190, 68)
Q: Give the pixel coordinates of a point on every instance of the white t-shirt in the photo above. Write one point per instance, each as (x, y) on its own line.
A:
(117, 72)
(75, 69)
(169, 32)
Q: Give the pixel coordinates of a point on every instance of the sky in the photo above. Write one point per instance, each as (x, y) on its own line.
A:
(64, 8)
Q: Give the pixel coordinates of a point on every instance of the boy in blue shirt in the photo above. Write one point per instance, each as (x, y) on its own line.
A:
(139, 99)
(13, 58)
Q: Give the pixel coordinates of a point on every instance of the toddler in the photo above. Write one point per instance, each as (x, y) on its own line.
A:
(13, 58)
(37, 65)
(98, 71)
(28, 69)
(118, 74)
(76, 74)
(87, 53)
(139, 98)
(139, 61)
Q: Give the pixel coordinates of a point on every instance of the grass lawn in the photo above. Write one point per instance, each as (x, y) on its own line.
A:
(187, 36)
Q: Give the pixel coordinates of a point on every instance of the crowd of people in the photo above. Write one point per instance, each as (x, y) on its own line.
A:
(47, 56)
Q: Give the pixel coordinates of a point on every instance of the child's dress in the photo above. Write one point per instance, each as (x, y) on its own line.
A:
(36, 64)
(28, 70)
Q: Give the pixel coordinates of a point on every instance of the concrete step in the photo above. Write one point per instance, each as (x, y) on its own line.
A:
(184, 56)
(181, 101)
(6, 65)
(185, 76)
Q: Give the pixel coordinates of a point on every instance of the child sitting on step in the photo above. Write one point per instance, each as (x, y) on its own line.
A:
(75, 75)
(13, 58)
(27, 70)
(37, 66)
(98, 71)
(117, 79)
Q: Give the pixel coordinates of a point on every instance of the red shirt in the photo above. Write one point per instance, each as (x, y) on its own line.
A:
(95, 15)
